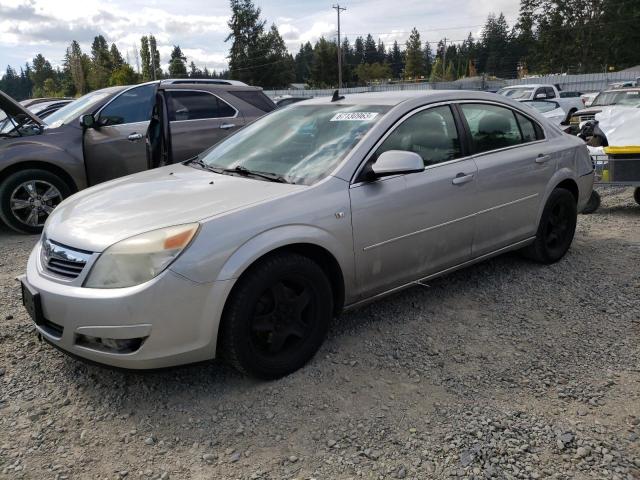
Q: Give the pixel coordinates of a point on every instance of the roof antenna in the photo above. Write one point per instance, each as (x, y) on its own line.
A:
(337, 96)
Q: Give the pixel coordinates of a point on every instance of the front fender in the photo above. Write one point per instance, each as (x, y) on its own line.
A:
(283, 236)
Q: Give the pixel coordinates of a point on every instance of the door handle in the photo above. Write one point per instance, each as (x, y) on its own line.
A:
(134, 137)
(462, 178)
(227, 126)
(543, 158)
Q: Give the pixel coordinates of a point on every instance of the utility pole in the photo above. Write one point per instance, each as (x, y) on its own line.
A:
(339, 9)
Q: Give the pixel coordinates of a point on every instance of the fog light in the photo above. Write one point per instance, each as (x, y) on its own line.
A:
(110, 345)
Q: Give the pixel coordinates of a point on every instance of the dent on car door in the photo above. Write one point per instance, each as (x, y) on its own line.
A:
(515, 164)
(115, 146)
(197, 120)
(409, 226)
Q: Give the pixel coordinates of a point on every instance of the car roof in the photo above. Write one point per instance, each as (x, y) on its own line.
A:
(397, 97)
(625, 89)
(205, 81)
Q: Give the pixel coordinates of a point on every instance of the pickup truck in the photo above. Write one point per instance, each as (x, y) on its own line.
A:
(523, 93)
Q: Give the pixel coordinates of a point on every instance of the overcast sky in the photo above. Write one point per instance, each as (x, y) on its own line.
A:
(28, 27)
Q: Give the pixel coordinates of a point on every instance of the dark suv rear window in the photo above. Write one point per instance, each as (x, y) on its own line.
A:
(255, 98)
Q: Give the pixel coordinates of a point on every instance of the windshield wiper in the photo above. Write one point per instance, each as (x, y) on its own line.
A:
(198, 161)
(272, 177)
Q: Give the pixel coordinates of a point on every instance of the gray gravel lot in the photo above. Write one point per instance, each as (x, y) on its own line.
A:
(508, 369)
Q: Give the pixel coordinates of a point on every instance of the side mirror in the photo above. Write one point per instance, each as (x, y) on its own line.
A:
(396, 162)
(540, 96)
(88, 121)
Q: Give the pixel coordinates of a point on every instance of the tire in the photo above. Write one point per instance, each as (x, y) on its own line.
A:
(636, 195)
(593, 204)
(556, 229)
(277, 316)
(27, 197)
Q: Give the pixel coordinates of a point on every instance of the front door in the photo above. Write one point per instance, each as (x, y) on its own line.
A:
(116, 145)
(409, 226)
(515, 165)
(197, 120)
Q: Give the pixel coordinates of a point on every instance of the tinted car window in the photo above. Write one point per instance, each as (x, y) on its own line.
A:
(491, 127)
(430, 133)
(192, 105)
(550, 92)
(130, 106)
(255, 98)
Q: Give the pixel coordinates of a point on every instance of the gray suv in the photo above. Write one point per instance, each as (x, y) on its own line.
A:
(109, 133)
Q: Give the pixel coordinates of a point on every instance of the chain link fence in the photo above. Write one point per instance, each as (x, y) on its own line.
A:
(591, 82)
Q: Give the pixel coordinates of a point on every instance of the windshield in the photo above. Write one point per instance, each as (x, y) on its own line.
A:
(301, 144)
(74, 109)
(516, 93)
(629, 98)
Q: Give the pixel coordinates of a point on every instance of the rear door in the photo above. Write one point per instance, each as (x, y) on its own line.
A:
(116, 145)
(515, 164)
(197, 120)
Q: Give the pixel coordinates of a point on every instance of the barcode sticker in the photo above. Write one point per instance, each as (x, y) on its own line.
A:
(354, 116)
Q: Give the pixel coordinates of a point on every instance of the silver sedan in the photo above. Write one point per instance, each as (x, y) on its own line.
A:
(250, 249)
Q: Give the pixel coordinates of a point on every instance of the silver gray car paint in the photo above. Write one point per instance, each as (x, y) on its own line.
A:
(377, 240)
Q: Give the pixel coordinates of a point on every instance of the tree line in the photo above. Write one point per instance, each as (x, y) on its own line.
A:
(549, 36)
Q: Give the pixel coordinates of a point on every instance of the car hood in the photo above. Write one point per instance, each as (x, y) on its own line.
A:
(102, 215)
(12, 108)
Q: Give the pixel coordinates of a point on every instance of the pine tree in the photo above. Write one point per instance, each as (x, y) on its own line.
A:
(370, 50)
(177, 63)
(303, 61)
(101, 65)
(396, 60)
(245, 58)
(145, 59)
(414, 66)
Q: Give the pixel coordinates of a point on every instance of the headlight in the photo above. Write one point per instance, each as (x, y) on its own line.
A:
(138, 259)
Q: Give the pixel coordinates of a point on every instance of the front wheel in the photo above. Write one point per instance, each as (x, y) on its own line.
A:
(556, 228)
(277, 316)
(28, 197)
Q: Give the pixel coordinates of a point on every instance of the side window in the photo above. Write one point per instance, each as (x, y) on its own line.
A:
(130, 106)
(491, 127)
(430, 133)
(192, 105)
(530, 131)
(550, 92)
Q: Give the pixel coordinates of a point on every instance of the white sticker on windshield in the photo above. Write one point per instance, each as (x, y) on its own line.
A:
(354, 116)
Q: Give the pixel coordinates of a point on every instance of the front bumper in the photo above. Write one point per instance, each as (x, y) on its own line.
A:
(176, 318)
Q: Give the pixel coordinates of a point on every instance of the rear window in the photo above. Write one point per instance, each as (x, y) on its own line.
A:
(255, 98)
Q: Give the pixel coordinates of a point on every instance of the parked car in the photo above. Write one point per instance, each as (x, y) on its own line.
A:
(287, 100)
(250, 249)
(569, 104)
(44, 109)
(619, 98)
(588, 98)
(549, 109)
(109, 133)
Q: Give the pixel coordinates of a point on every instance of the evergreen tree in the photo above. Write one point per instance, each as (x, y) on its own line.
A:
(41, 71)
(177, 63)
(155, 58)
(145, 59)
(358, 51)
(278, 70)
(396, 60)
(414, 60)
(245, 58)
(303, 61)
(116, 58)
(370, 50)
(427, 55)
(101, 65)
(324, 70)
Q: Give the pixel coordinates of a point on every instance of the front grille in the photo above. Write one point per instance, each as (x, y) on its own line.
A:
(63, 261)
(586, 118)
(65, 268)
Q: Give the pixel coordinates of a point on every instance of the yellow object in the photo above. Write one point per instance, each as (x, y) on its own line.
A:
(605, 175)
(622, 150)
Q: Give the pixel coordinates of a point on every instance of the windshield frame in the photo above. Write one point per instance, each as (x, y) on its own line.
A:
(313, 165)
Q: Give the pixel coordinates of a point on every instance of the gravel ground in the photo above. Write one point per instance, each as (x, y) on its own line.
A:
(507, 369)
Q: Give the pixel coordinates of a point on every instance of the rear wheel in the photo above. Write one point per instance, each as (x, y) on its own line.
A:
(556, 229)
(636, 195)
(593, 203)
(277, 316)
(28, 197)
